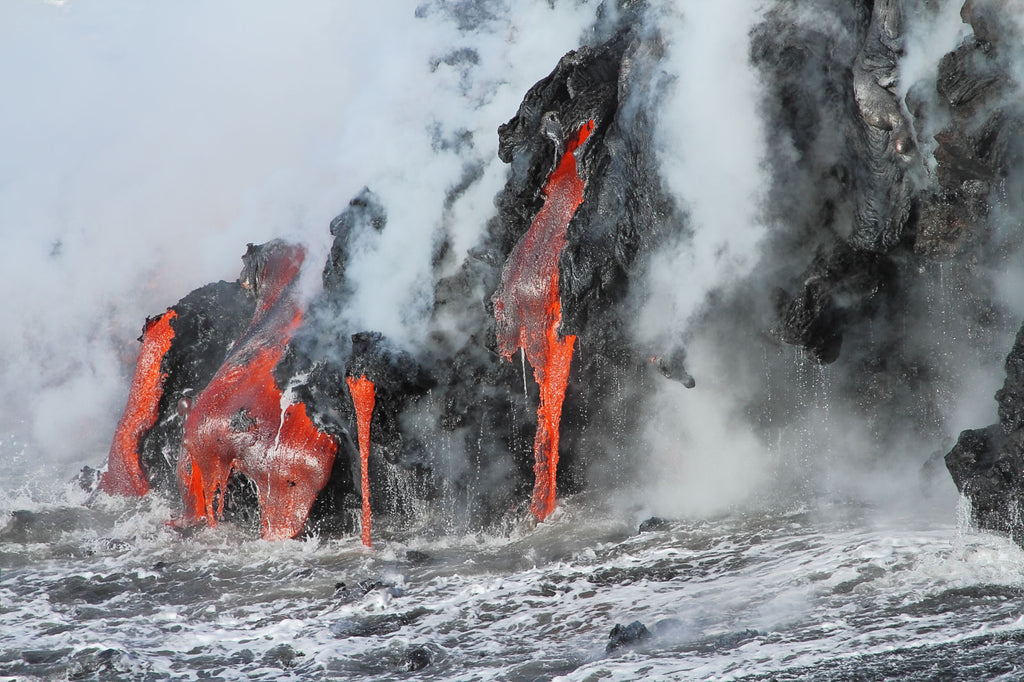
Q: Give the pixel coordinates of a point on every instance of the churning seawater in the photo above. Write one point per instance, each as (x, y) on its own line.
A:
(108, 591)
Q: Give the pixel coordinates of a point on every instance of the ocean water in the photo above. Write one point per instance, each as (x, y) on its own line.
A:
(107, 590)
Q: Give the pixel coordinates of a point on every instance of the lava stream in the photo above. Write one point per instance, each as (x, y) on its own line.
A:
(124, 475)
(528, 313)
(363, 398)
(242, 422)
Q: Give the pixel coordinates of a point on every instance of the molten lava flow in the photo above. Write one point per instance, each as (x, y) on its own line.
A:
(242, 422)
(528, 312)
(363, 397)
(124, 475)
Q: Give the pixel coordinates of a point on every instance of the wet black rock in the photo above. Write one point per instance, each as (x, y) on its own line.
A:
(417, 658)
(24, 526)
(282, 656)
(987, 464)
(375, 625)
(654, 524)
(978, 154)
(94, 663)
(734, 639)
(626, 635)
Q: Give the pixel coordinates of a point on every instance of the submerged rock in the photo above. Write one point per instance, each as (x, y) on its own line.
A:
(417, 658)
(625, 635)
(987, 464)
(654, 524)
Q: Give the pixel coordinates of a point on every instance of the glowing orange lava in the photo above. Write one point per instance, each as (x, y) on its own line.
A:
(363, 398)
(528, 313)
(242, 422)
(124, 475)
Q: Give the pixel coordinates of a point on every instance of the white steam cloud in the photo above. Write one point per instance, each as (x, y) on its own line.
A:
(144, 144)
(711, 148)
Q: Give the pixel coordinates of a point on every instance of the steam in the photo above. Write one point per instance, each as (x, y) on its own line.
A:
(711, 147)
(711, 150)
(144, 146)
(764, 421)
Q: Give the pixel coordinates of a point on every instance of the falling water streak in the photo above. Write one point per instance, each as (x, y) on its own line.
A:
(804, 400)
(522, 358)
(964, 516)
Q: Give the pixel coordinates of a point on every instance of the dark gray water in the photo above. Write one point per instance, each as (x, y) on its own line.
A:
(110, 592)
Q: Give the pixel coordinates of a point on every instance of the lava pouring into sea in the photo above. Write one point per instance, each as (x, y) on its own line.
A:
(363, 398)
(242, 423)
(124, 474)
(528, 313)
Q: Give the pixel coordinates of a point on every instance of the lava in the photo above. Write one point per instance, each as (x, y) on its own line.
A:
(124, 475)
(243, 423)
(363, 398)
(528, 313)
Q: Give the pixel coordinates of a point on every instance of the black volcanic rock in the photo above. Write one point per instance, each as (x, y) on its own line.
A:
(861, 207)
(987, 464)
(843, 283)
(208, 321)
(626, 635)
(978, 154)
(858, 219)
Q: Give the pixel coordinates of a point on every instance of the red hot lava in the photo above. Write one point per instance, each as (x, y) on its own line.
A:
(528, 312)
(363, 398)
(242, 422)
(124, 475)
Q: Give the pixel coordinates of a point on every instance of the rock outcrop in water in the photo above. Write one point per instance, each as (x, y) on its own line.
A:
(988, 464)
(870, 208)
(979, 156)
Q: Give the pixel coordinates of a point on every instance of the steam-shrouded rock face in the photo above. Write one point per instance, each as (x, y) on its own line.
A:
(527, 364)
(590, 106)
(327, 351)
(979, 157)
(847, 199)
(982, 142)
(987, 464)
(459, 420)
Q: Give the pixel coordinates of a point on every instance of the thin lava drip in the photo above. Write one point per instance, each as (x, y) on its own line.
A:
(363, 398)
(242, 423)
(528, 313)
(124, 475)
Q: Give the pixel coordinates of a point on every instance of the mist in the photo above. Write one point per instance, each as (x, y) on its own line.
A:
(148, 145)
(145, 145)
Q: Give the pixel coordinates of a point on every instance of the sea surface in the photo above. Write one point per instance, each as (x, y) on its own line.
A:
(104, 589)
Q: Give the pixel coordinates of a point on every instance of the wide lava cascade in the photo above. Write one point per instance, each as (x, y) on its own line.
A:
(363, 398)
(243, 423)
(124, 475)
(528, 313)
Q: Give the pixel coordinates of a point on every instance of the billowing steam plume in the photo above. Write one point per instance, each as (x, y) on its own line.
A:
(748, 251)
